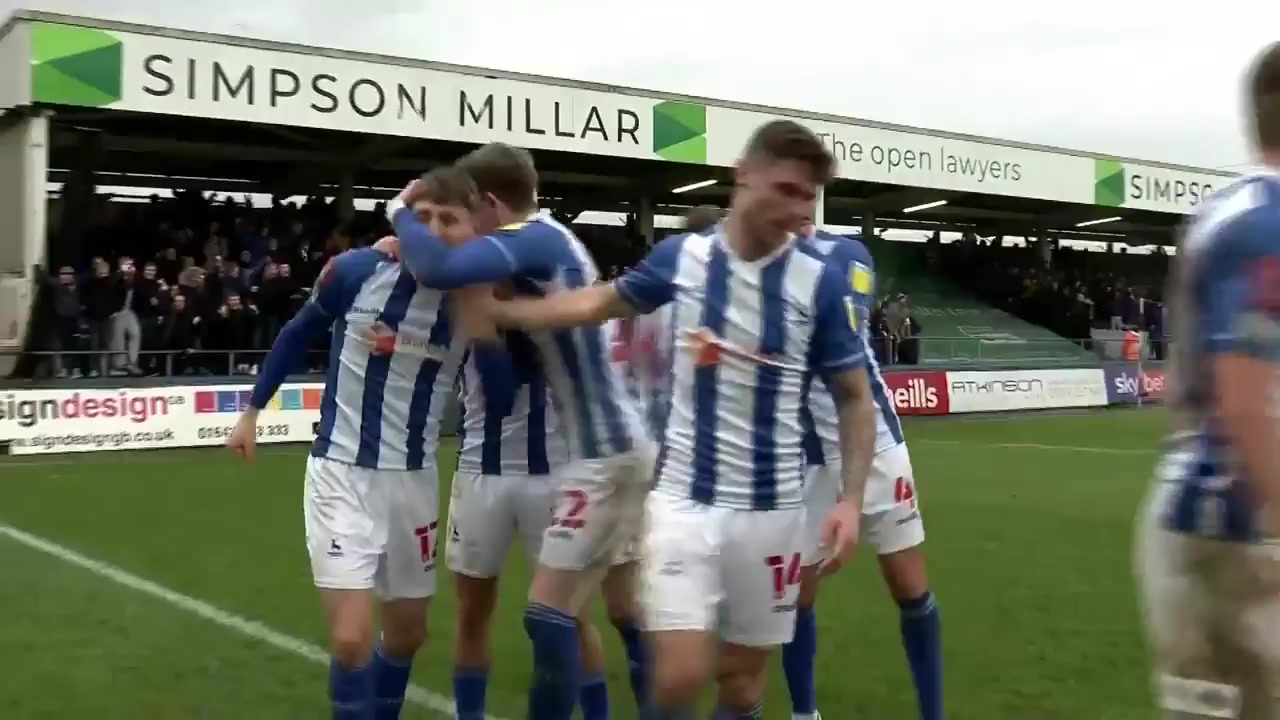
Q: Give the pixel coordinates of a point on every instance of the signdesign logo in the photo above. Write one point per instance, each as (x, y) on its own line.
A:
(73, 65)
(680, 132)
(1108, 183)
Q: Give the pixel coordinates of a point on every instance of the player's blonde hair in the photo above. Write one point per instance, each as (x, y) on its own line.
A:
(449, 186)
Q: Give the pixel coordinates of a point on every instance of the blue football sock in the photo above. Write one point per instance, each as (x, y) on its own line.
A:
(469, 686)
(755, 713)
(798, 659)
(553, 690)
(391, 677)
(593, 697)
(351, 691)
(637, 662)
(922, 639)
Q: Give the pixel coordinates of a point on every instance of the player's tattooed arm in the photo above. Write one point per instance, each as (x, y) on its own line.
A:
(855, 409)
(573, 308)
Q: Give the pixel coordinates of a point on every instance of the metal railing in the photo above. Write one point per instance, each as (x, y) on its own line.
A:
(990, 349)
(169, 363)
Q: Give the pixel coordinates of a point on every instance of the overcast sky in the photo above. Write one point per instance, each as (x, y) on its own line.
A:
(1140, 78)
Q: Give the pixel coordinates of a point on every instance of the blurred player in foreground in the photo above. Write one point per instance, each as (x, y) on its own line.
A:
(370, 497)
(890, 514)
(1208, 556)
(602, 486)
(753, 314)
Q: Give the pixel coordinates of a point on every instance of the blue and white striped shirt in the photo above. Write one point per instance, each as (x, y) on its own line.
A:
(746, 335)
(822, 433)
(539, 256)
(392, 363)
(1225, 298)
(521, 438)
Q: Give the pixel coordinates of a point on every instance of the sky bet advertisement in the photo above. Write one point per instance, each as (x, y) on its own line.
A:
(1129, 383)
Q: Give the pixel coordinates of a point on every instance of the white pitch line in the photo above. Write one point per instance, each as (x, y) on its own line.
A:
(255, 630)
(1040, 446)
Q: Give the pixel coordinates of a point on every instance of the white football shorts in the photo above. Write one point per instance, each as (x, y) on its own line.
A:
(372, 529)
(598, 511)
(712, 568)
(487, 512)
(890, 506)
(1213, 618)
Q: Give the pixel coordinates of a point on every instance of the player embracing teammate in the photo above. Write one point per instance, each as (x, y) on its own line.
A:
(752, 316)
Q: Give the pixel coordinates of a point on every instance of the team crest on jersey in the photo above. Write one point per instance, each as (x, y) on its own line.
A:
(709, 351)
(706, 348)
(382, 339)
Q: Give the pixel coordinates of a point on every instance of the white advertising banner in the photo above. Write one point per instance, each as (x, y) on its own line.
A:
(220, 78)
(1026, 390)
(36, 422)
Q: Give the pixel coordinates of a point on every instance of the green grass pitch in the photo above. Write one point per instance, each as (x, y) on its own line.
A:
(1029, 522)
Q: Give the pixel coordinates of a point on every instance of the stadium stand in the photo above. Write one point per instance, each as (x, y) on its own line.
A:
(194, 287)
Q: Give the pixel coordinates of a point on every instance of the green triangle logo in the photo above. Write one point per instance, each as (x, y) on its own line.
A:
(1108, 183)
(73, 65)
(680, 132)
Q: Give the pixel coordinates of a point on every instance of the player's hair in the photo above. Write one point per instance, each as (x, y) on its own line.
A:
(1264, 97)
(789, 140)
(701, 218)
(505, 172)
(449, 186)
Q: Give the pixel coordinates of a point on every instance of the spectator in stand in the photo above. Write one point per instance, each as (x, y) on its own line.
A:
(879, 328)
(126, 328)
(68, 312)
(168, 266)
(298, 294)
(231, 330)
(909, 347)
(100, 303)
(233, 279)
(895, 316)
(150, 303)
(702, 218)
(274, 298)
(179, 335)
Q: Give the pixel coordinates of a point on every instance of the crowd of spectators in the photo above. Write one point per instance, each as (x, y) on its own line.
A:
(192, 286)
(1072, 294)
(186, 286)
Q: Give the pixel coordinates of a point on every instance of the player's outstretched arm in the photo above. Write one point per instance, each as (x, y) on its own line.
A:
(334, 292)
(288, 354)
(646, 288)
(569, 309)
(531, 248)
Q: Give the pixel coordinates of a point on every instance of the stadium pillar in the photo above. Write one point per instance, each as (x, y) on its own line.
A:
(868, 224)
(24, 153)
(644, 219)
(346, 197)
(820, 208)
(77, 199)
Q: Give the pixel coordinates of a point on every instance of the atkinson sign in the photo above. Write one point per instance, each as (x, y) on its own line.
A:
(1025, 390)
